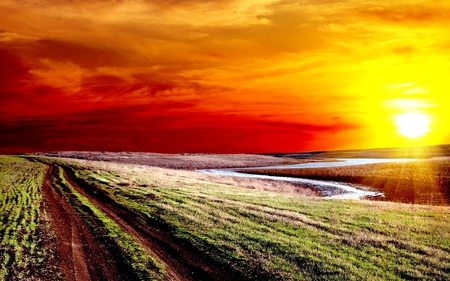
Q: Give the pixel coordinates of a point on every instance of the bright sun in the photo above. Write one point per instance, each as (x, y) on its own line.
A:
(412, 125)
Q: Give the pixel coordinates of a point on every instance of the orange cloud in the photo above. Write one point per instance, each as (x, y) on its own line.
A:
(226, 73)
(417, 13)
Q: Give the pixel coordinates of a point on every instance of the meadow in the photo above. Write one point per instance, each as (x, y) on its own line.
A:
(417, 182)
(164, 224)
(261, 235)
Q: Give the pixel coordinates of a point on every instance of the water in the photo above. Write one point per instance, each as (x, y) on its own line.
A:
(341, 162)
(329, 189)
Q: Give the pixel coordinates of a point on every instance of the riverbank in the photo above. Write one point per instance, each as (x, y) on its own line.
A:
(414, 182)
(325, 188)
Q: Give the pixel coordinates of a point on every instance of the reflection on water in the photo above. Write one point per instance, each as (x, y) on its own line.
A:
(328, 189)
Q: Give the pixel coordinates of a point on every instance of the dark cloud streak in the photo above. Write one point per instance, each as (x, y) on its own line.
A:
(125, 129)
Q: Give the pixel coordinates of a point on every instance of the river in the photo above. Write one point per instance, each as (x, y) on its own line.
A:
(327, 188)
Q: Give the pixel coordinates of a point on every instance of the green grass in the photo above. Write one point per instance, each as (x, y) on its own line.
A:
(419, 182)
(142, 266)
(25, 237)
(276, 236)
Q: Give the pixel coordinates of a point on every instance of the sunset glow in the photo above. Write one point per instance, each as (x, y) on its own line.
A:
(221, 76)
(412, 125)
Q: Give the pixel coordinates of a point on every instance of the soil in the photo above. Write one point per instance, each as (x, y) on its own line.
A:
(79, 254)
(82, 256)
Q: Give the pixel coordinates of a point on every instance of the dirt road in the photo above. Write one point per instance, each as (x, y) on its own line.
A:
(83, 256)
(80, 256)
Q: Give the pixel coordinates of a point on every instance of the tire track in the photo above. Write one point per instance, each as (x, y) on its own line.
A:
(80, 256)
(183, 262)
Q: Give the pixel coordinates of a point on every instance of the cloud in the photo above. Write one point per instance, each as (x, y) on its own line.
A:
(414, 13)
(277, 66)
(6, 37)
(12, 70)
(156, 130)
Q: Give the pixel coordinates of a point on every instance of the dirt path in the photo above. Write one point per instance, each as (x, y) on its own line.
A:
(182, 261)
(83, 257)
(80, 256)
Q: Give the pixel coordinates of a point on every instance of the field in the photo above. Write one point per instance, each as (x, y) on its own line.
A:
(418, 182)
(25, 235)
(152, 223)
(185, 161)
(421, 152)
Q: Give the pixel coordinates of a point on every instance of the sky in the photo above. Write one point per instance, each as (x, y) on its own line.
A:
(224, 76)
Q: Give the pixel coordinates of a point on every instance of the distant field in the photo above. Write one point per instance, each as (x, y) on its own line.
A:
(420, 182)
(260, 235)
(395, 152)
(177, 161)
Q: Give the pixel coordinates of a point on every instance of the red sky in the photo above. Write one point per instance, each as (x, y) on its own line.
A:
(225, 76)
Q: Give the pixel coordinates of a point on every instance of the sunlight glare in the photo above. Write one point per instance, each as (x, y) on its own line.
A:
(412, 125)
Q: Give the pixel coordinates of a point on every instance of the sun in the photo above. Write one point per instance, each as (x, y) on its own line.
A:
(412, 125)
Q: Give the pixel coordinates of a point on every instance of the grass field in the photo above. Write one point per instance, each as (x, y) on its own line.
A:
(419, 182)
(264, 235)
(25, 236)
(247, 233)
